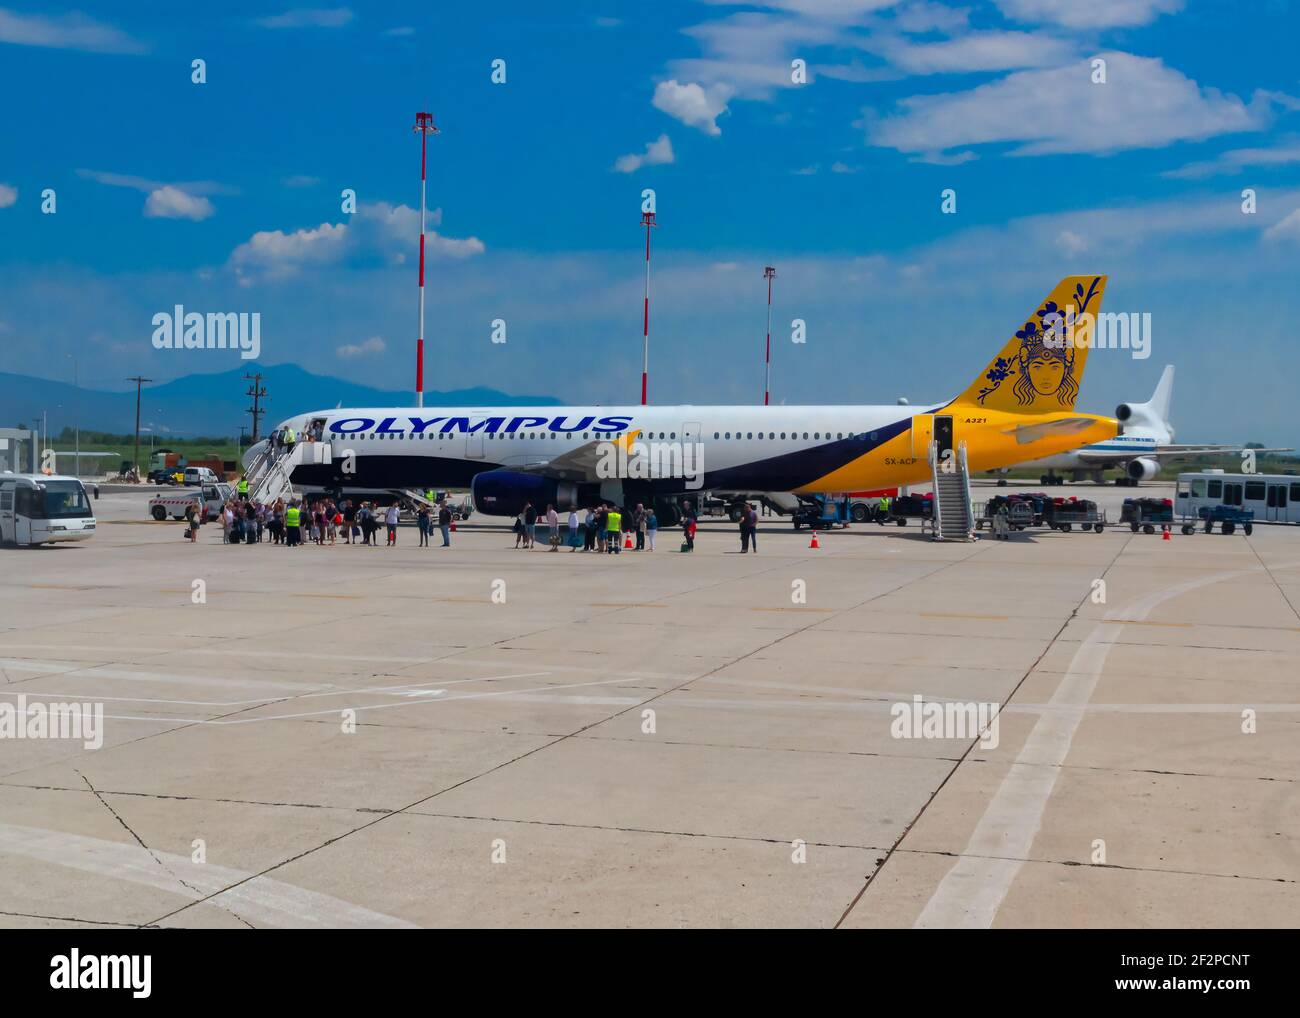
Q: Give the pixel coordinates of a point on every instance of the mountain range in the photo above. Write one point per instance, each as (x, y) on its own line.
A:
(213, 404)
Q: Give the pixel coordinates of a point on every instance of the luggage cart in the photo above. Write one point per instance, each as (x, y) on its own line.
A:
(1020, 514)
(1146, 514)
(1228, 517)
(1064, 515)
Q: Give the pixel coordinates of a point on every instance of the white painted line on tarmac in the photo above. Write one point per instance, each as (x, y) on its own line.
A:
(262, 900)
(538, 694)
(973, 890)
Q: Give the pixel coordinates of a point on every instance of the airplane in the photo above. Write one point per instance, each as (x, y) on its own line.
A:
(1019, 407)
(1145, 437)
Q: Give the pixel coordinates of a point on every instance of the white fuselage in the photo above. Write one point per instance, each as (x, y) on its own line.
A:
(775, 448)
(1113, 452)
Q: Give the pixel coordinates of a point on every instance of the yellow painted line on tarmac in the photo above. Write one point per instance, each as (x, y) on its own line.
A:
(792, 609)
(629, 604)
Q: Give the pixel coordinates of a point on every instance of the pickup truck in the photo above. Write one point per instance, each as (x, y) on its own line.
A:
(209, 499)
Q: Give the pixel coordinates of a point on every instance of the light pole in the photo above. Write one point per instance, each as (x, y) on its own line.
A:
(423, 127)
(769, 273)
(648, 221)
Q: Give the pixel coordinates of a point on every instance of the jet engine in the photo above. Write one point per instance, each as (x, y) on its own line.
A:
(504, 492)
(1142, 469)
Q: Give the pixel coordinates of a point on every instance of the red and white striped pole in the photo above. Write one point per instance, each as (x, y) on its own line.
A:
(423, 127)
(647, 220)
(769, 273)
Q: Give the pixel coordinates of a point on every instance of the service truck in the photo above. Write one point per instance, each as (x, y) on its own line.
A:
(210, 499)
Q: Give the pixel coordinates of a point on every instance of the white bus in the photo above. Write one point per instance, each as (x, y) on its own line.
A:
(36, 509)
(1275, 498)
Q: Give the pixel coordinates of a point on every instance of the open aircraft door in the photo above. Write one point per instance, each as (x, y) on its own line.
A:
(922, 435)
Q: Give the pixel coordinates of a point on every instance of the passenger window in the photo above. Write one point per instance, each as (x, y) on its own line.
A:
(1198, 488)
(1254, 490)
(1216, 489)
(1295, 493)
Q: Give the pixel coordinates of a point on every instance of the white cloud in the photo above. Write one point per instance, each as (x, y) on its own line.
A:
(692, 104)
(1287, 229)
(378, 231)
(8, 195)
(1143, 105)
(301, 180)
(375, 344)
(1071, 243)
(1233, 162)
(183, 200)
(274, 254)
(978, 51)
(313, 17)
(172, 203)
(1092, 15)
(657, 153)
(69, 31)
(839, 167)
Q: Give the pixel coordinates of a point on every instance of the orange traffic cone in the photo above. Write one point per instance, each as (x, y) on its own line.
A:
(1166, 537)
(628, 542)
(814, 541)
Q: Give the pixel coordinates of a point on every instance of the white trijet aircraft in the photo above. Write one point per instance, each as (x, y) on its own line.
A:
(1145, 437)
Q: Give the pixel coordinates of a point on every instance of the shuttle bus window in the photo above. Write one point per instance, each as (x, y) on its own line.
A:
(1216, 489)
(1198, 487)
(25, 503)
(1254, 490)
(1295, 493)
(1232, 494)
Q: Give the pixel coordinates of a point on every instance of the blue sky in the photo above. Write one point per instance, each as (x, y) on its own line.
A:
(225, 196)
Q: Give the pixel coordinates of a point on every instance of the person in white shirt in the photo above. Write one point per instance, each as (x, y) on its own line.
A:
(573, 530)
(553, 520)
(391, 519)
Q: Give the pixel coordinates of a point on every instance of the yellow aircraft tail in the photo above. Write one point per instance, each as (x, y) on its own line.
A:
(1040, 368)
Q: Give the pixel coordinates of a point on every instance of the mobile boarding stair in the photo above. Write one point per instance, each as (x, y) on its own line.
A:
(953, 519)
(270, 475)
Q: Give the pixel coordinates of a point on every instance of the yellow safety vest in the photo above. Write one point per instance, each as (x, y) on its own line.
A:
(614, 523)
(291, 516)
(243, 486)
(288, 435)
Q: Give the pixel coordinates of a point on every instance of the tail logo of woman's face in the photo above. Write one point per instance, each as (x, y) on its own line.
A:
(1044, 365)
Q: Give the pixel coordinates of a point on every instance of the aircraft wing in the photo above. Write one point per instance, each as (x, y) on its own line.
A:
(578, 465)
(1200, 450)
(1026, 433)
